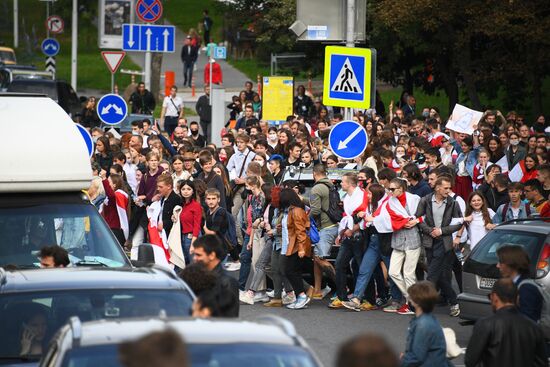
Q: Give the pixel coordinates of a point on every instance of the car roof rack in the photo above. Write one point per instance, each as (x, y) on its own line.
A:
(76, 329)
(285, 325)
(531, 219)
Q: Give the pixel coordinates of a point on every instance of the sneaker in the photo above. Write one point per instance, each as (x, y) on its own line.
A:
(382, 302)
(291, 306)
(270, 294)
(289, 298)
(367, 306)
(301, 302)
(247, 297)
(274, 303)
(405, 310)
(233, 266)
(326, 291)
(261, 297)
(393, 308)
(353, 304)
(336, 303)
(455, 310)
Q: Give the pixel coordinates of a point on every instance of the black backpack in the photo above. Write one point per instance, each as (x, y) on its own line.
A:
(335, 211)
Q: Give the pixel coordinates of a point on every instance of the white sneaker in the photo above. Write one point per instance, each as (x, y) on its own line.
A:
(233, 266)
(301, 302)
(325, 291)
(261, 297)
(289, 298)
(271, 294)
(247, 297)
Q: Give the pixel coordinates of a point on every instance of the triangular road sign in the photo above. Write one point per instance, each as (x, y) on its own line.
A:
(113, 59)
(346, 81)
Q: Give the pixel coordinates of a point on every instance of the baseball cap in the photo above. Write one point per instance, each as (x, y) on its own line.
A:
(276, 157)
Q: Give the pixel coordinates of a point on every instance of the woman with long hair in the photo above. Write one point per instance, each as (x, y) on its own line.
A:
(285, 137)
(526, 169)
(103, 156)
(190, 217)
(494, 147)
(465, 167)
(178, 173)
(295, 243)
(225, 153)
(477, 220)
(220, 169)
(515, 152)
(480, 168)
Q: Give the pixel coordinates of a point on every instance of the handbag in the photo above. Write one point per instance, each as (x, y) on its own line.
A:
(313, 232)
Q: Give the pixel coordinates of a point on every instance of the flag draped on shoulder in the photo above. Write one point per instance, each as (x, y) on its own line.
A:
(520, 173)
(157, 238)
(395, 213)
(357, 202)
(122, 210)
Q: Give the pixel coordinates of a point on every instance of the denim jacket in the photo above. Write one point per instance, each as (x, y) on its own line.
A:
(425, 343)
(470, 160)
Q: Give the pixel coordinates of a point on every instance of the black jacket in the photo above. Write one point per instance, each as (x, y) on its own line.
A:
(214, 181)
(204, 109)
(303, 106)
(143, 103)
(506, 339)
(226, 281)
(452, 210)
(168, 209)
(189, 54)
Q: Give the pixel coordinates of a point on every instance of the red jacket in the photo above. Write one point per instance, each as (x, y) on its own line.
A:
(109, 210)
(191, 218)
(217, 77)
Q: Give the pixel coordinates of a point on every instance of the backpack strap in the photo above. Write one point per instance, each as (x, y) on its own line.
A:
(527, 209)
(505, 211)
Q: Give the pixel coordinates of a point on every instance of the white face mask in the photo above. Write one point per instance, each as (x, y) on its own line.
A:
(262, 163)
(399, 155)
(272, 137)
(514, 142)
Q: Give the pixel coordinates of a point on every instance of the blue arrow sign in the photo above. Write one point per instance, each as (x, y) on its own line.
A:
(145, 37)
(220, 52)
(87, 139)
(348, 139)
(112, 109)
(50, 47)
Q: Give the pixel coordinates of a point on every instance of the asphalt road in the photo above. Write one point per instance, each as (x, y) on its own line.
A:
(325, 329)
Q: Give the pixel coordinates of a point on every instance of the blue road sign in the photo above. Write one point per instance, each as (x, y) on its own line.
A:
(347, 77)
(220, 52)
(87, 139)
(112, 109)
(50, 47)
(149, 10)
(145, 37)
(348, 139)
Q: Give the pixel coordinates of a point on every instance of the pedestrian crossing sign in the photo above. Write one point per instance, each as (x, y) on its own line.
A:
(350, 75)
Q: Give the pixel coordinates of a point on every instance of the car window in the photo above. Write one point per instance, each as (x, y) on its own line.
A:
(7, 56)
(43, 313)
(205, 355)
(40, 88)
(78, 228)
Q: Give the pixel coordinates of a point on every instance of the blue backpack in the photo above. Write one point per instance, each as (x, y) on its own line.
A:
(313, 232)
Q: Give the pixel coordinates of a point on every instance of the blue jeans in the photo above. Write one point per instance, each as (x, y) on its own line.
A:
(370, 261)
(349, 249)
(186, 245)
(246, 263)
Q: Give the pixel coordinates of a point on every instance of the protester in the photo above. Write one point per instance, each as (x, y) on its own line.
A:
(142, 100)
(160, 348)
(53, 257)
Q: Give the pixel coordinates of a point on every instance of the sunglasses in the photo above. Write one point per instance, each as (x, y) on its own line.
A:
(392, 189)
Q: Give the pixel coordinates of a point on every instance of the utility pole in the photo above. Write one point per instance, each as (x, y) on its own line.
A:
(350, 38)
(15, 24)
(74, 44)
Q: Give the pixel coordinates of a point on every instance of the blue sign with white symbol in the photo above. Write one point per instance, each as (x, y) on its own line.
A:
(50, 47)
(112, 109)
(348, 139)
(220, 52)
(87, 139)
(347, 76)
(145, 37)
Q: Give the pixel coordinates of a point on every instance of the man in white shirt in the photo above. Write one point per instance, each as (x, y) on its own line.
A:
(172, 110)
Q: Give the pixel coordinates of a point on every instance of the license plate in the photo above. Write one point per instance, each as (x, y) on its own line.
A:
(487, 283)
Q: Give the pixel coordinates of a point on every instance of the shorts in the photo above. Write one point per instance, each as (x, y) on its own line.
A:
(327, 237)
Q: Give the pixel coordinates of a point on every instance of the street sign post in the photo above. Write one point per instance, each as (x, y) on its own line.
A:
(112, 109)
(55, 24)
(350, 77)
(220, 52)
(146, 37)
(113, 59)
(348, 139)
(50, 47)
(87, 138)
(50, 65)
(149, 10)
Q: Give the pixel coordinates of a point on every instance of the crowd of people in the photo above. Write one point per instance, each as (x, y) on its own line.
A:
(409, 208)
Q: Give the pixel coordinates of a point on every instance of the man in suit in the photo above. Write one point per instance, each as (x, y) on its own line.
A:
(169, 200)
(189, 55)
(507, 338)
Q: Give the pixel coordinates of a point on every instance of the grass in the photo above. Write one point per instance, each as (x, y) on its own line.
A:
(251, 68)
(92, 72)
(186, 14)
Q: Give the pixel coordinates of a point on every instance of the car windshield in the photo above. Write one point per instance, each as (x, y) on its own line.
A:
(205, 355)
(483, 258)
(38, 87)
(7, 56)
(34, 318)
(78, 228)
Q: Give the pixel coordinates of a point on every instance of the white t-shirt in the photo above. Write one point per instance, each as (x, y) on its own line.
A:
(476, 229)
(171, 110)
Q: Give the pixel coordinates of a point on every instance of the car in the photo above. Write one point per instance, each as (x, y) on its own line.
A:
(480, 271)
(9, 73)
(58, 90)
(45, 166)
(269, 341)
(42, 301)
(7, 56)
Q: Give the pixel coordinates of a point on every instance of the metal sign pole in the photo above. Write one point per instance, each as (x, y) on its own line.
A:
(210, 84)
(112, 82)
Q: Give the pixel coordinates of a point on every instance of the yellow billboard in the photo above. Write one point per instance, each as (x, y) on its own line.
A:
(277, 98)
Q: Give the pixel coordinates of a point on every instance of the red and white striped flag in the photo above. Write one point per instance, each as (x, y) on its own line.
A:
(122, 207)
(392, 215)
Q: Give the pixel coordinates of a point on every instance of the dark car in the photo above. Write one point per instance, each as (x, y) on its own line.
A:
(36, 303)
(480, 270)
(9, 73)
(58, 90)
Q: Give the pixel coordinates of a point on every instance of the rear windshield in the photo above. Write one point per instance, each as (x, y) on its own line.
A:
(78, 228)
(40, 88)
(40, 314)
(205, 355)
(483, 259)
(7, 56)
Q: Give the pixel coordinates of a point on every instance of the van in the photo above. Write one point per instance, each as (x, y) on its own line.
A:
(7, 56)
(45, 165)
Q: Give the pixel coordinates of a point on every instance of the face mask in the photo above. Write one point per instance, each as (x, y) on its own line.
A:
(425, 114)
(514, 142)
(223, 159)
(95, 139)
(260, 163)
(135, 133)
(194, 132)
(399, 155)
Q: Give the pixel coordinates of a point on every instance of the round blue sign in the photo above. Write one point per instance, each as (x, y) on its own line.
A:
(348, 139)
(87, 138)
(50, 47)
(112, 109)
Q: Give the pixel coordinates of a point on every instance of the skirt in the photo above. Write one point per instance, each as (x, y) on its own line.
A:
(463, 186)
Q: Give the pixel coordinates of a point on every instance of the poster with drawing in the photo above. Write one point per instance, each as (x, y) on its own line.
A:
(464, 119)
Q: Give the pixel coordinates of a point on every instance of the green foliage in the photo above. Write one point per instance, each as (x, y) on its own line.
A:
(186, 14)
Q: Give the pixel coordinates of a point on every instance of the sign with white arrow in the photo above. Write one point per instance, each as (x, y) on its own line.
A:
(113, 59)
(145, 37)
(50, 47)
(55, 24)
(348, 139)
(112, 109)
